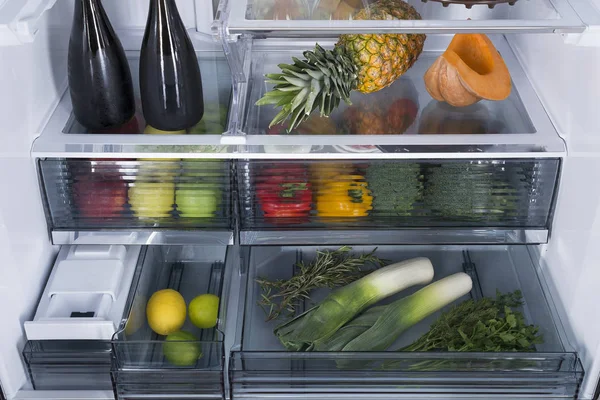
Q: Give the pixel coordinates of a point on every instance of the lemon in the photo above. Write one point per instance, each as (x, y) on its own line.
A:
(204, 311)
(182, 349)
(166, 311)
(153, 131)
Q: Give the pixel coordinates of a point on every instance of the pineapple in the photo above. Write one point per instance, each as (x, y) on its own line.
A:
(363, 62)
(365, 119)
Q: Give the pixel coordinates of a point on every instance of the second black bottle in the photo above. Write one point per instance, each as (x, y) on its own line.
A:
(170, 81)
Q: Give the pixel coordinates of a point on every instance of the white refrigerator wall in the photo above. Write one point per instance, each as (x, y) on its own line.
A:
(566, 78)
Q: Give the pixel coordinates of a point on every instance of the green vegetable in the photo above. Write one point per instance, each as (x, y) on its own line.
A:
(317, 325)
(485, 325)
(395, 186)
(406, 312)
(470, 191)
(329, 269)
(351, 330)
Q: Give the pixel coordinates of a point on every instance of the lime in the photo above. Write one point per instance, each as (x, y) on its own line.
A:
(181, 349)
(166, 311)
(204, 311)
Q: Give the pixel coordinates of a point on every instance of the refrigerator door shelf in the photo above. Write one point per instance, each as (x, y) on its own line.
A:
(261, 368)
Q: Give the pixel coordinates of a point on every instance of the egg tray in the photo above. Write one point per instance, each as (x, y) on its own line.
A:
(471, 3)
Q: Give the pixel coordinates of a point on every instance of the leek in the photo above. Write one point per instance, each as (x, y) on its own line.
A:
(351, 330)
(406, 312)
(315, 326)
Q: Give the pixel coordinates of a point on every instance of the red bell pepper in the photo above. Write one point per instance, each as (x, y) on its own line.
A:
(284, 191)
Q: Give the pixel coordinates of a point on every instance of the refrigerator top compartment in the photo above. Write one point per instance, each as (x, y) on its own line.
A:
(86, 294)
(289, 18)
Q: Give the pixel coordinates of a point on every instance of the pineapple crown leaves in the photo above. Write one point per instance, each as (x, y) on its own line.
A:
(321, 80)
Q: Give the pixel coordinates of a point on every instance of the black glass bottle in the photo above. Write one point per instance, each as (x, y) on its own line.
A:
(170, 82)
(99, 77)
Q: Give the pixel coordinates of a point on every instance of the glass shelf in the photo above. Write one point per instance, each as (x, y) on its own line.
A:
(280, 18)
(63, 135)
(518, 124)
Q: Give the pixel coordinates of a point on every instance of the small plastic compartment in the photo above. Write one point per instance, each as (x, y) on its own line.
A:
(139, 365)
(83, 194)
(260, 365)
(476, 194)
(68, 364)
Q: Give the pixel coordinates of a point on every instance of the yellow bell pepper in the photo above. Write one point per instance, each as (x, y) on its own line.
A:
(344, 196)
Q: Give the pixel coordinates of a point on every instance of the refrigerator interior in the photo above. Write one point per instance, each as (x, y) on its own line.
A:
(33, 80)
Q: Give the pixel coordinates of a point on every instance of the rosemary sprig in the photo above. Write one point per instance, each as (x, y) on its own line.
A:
(330, 268)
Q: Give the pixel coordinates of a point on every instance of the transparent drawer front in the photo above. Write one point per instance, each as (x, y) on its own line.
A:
(146, 362)
(294, 17)
(262, 365)
(68, 365)
(396, 194)
(134, 194)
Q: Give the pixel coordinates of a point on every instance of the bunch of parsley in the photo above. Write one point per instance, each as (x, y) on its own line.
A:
(485, 325)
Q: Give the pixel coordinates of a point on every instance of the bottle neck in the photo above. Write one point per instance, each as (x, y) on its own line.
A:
(163, 9)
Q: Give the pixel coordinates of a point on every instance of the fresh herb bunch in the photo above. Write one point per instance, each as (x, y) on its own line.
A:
(482, 325)
(485, 325)
(330, 268)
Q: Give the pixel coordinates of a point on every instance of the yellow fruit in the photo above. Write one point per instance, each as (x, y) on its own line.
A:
(204, 311)
(136, 316)
(153, 131)
(152, 199)
(166, 311)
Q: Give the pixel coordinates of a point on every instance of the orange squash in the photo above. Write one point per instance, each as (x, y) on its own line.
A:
(469, 70)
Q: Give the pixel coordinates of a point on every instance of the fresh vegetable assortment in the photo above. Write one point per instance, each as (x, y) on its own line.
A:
(283, 191)
(348, 319)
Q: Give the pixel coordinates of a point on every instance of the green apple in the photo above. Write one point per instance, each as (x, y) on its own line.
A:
(182, 349)
(197, 200)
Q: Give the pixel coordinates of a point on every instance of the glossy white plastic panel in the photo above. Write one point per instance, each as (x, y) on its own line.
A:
(20, 20)
(569, 87)
(310, 17)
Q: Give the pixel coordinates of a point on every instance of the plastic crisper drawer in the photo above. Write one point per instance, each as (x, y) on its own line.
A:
(140, 368)
(139, 195)
(396, 201)
(260, 367)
